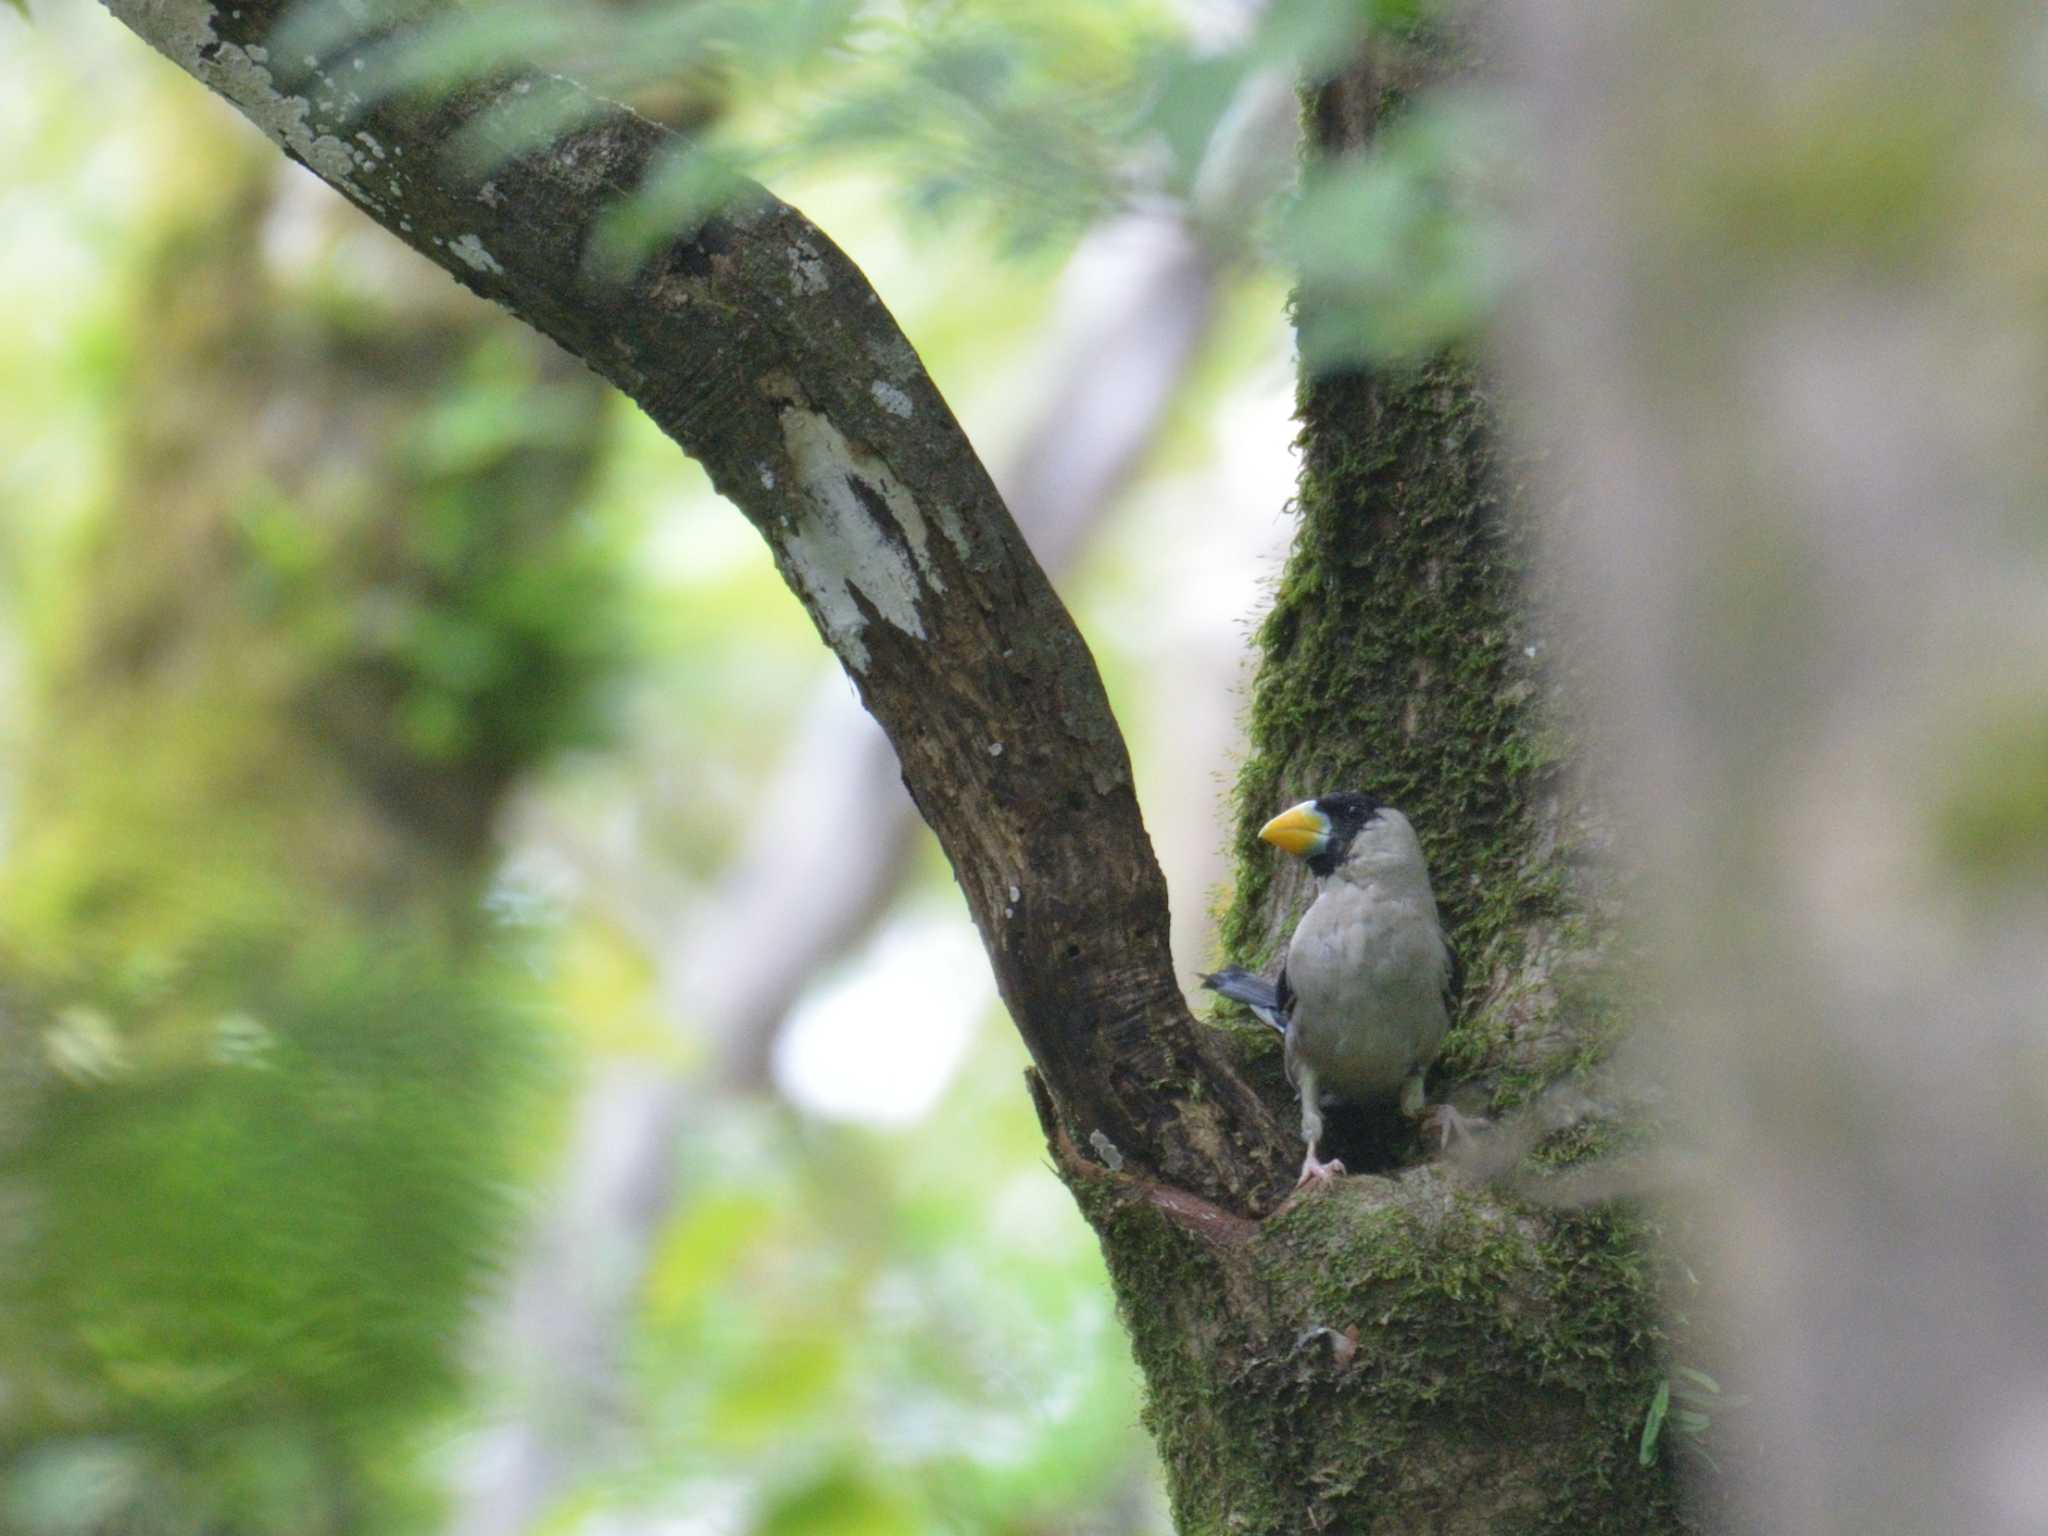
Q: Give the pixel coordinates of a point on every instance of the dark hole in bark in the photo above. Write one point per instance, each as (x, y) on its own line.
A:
(1371, 1138)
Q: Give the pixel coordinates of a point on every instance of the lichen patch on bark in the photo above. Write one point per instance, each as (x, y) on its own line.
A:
(187, 36)
(857, 529)
(472, 250)
(890, 398)
(807, 270)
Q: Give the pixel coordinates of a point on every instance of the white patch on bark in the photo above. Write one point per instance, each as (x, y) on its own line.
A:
(806, 269)
(892, 399)
(954, 530)
(890, 352)
(184, 34)
(471, 250)
(1107, 1151)
(837, 544)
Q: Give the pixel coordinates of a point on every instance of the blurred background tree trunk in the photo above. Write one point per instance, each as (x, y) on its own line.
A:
(1786, 336)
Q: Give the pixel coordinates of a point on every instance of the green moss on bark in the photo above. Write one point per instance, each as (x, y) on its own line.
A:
(1396, 657)
(1419, 1351)
(1393, 1355)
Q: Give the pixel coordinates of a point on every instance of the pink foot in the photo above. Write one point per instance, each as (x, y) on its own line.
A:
(1315, 1171)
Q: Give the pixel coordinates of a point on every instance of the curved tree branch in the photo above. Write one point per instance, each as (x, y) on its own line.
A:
(757, 345)
(1096, 425)
(565, 1315)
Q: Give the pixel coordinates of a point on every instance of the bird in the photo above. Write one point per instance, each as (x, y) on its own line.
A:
(1371, 981)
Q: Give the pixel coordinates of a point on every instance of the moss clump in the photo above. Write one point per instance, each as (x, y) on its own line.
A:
(1394, 1354)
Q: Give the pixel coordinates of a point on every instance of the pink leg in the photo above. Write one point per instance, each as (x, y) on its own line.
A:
(1313, 1169)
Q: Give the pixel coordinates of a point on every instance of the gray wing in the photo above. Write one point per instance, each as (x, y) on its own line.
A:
(1285, 991)
(1269, 1002)
(1272, 1001)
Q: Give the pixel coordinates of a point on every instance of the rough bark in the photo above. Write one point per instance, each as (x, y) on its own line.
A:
(758, 346)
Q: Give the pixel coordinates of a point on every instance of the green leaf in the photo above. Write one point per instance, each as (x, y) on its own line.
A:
(1406, 250)
(1659, 1406)
(684, 188)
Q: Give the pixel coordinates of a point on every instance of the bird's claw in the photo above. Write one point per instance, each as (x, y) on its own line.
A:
(1315, 1171)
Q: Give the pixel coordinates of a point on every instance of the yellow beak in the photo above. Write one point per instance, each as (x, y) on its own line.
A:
(1300, 830)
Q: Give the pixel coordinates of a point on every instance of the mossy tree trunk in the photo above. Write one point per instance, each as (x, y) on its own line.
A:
(1413, 1349)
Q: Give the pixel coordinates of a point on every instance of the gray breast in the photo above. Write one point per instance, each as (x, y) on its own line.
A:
(1367, 970)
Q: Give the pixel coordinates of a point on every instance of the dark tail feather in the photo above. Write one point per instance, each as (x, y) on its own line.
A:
(1255, 992)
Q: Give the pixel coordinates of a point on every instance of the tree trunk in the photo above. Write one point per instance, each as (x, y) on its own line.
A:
(1412, 1349)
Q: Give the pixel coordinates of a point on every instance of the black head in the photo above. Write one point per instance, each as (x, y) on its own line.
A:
(1349, 812)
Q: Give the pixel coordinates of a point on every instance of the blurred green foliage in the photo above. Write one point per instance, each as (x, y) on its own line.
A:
(1993, 809)
(242, 1257)
(272, 1075)
(1032, 123)
(850, 1324)
(1407, 250)
(491, 618)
